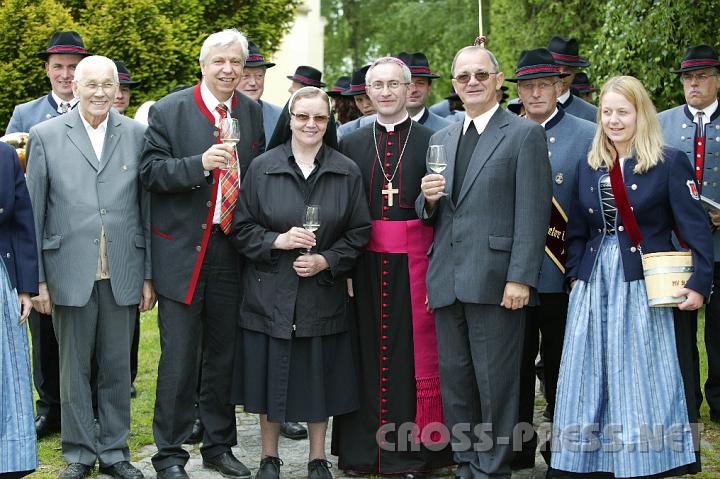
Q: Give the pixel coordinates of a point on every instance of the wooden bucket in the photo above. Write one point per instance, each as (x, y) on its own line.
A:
(665, 273)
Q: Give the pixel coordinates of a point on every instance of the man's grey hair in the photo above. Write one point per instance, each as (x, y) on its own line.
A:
(94, 61)
(407, 77)
(491, 56)
(224, 39)
(308, 92)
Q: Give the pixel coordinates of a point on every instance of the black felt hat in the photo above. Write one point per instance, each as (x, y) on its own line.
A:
(255, 57)
(582, 83)
(307, 76)
(566, 52)
(357, 82)
(64, 43)
(418, 64)
(538, 63)
(124, 75)
(341, 84)
(698, 57)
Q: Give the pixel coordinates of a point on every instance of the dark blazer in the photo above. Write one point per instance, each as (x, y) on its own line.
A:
(662, 198)
(183, 198)
(496, 232)
(272, 201)
(17, 229)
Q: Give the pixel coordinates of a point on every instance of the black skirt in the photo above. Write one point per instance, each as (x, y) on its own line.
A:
(300, 379)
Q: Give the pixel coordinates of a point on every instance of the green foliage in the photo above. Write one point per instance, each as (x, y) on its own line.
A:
(644, 38)
(159, 40)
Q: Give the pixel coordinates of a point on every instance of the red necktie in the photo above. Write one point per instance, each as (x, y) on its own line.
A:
(228, 185)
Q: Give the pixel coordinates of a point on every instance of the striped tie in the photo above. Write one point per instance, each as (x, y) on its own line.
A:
(228, 185)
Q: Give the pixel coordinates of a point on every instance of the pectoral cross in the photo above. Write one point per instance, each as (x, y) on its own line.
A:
(390, 192)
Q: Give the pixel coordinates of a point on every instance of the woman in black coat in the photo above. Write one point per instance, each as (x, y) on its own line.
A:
(293, 355)
(18, 281)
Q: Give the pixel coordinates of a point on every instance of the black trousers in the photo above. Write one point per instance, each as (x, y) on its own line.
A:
(46, 365)
(548, 319)
(134, 349)
(211, 319)
(712, 346)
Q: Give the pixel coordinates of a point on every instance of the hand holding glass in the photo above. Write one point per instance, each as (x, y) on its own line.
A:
(230, 135)
(436, 160)
(312, 219)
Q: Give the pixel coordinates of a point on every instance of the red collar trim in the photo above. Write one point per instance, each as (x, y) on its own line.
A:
(203, 108)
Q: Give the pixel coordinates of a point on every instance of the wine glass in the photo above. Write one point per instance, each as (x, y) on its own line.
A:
(230, 135)
(311, 222)
(436, 160)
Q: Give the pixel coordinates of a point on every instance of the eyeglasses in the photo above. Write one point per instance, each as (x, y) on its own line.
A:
(530, 86)
(304, 118)
(93, 86)
(256, 76)
(700, 78)
(392, 85)
(464, 77)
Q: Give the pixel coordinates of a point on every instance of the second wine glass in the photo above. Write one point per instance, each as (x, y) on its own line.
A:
(311, 222)
(436, 160)
(230, 135)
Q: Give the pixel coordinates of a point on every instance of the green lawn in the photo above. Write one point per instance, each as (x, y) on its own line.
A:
(51, 461)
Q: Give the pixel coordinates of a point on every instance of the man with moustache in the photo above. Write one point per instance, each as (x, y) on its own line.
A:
(92, 227)
(194, 181)
(695, 129)
(394, 332)
(569, 139)
(489, 211)
(567, 57)
(64, 52)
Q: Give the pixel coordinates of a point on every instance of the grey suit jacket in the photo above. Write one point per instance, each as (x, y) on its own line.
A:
(496, 232)
(26, 115)
(74, 194)
(271, 114)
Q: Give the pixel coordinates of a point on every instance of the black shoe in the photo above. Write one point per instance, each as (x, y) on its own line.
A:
(76, 471)
(197, 432)
(293, 430)
(523, 461)
(319, 469)
(46, 425)
(173, 472)
(227, 465)
(122, 470)
(269, 468)
(133, 391)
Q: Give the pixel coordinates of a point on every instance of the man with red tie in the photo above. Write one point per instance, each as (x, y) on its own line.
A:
(194, 190)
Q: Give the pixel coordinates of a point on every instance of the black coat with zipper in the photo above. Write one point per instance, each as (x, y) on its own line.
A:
(272, 200)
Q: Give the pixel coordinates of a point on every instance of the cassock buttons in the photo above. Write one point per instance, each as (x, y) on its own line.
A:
(552, 139)
(633, 187)
(559, 178)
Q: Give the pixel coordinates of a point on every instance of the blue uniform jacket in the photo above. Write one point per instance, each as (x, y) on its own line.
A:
(17, 228)
(578, 107)
(568, 139)
(271, 114)
(679, 131)
(27, 115)
(662, 198)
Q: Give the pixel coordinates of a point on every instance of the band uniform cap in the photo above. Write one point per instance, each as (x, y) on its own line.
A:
(341, 84)
(64, 43)
(582, 83)
(697, 58)
(417, 63)
(124, 75)
(255, 57)
(307, 76)
(357, 82)
(537, 63)
(567, 52)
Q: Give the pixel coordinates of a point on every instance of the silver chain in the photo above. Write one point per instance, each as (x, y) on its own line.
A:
(377, 152)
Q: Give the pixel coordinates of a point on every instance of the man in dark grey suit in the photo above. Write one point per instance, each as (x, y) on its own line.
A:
(93, 233)
(489, 240)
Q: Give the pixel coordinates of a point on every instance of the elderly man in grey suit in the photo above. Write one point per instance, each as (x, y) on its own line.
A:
(490, 232)
(92, 227)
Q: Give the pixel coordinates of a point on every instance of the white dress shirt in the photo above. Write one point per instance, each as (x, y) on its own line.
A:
(480, 121)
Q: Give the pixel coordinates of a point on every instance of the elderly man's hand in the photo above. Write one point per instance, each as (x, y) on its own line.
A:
(515, 296)
(148, 299)
(432, 187)
(25, 307)
(42, 302)
(217, 156)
